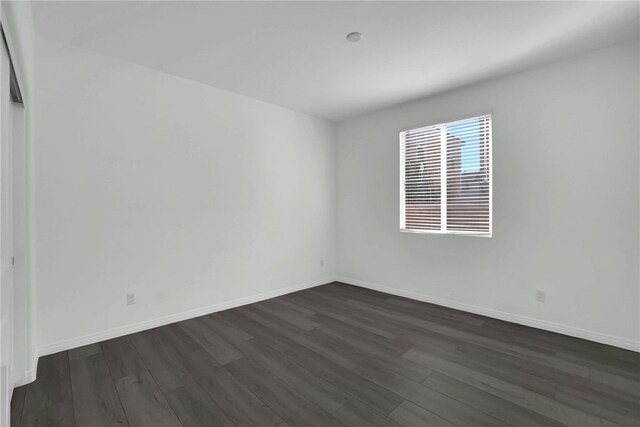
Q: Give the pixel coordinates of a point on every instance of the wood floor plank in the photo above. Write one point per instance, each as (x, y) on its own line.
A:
(330, 305)
(167, 371)
(357, 414)
(431, 400)
(347, 380)
(214, 344)
(284, 304)
(336, 374)
(460, 333)
(367, 314)
(544, 365)
(194, 407)
(359, 322)
(408, 414)
(314, 388)
(607, 423)
(177, 340)
(286, 402)
(571, 348)
(347, 291)
(488, 403)
(624, 412)
(515, 394)
(601, 393)
(225, 330)
(144, 402)
(96, 402)
(420, 326)
(511, 370)
(282, 328)
(417, 308)
(121, 357)
(296, 320)
(84, 351)
(241, 406)
(363, 337)
(618, 380)
(53, 385)
(359, 353)
(60, 414)
(17, 404)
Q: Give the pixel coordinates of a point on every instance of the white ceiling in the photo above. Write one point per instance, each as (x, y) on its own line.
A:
(294, 54)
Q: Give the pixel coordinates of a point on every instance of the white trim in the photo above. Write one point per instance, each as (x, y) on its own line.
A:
(490, 167)
(509, 317)
(172, 318)
(444, 200)
(403, 157)
(29, 376)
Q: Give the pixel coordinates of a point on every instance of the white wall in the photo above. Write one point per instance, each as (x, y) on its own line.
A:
(191, 197)
(183, 194)
(566, 194)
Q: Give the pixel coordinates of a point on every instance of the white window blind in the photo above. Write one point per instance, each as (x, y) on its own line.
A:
(445, 178)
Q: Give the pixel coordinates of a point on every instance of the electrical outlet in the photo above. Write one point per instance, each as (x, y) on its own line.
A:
(131, 299)
(541, 295)
(321, 263)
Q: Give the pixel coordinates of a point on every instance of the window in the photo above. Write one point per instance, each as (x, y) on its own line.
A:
(445, 178)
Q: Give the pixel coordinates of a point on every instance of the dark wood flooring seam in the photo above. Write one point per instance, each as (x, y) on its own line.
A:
(135, 349)
(253, 394)
(22, 408)
(75, 423)
(117, 394)
(301, 396)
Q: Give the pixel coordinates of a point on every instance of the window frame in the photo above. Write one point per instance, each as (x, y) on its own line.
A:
(443, 172)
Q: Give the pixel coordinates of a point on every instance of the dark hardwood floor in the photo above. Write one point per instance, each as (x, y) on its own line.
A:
(331, 356)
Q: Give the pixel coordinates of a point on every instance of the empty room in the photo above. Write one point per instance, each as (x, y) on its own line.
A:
(319, 213)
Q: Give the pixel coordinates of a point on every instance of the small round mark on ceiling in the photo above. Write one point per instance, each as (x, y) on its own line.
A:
(354, 37)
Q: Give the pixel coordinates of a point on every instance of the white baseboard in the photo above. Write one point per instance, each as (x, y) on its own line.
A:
(501, 315)
(172, 318)
(28, 377)
(496, 314)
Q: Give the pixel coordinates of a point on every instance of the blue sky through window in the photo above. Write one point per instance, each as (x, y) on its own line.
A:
(469, 132)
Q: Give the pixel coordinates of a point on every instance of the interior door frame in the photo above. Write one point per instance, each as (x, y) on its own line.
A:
(14, 295)
(6, 243)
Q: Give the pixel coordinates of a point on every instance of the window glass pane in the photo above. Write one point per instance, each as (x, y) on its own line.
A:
(468, 132)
